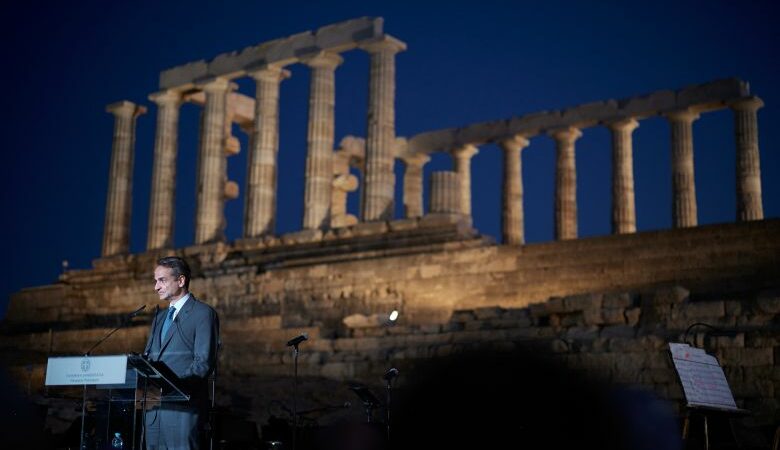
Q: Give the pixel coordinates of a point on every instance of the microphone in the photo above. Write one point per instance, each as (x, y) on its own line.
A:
(136, 312)
(297, 340)
(390, 374)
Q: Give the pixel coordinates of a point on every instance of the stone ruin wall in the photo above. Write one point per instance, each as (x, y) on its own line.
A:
(608, 305)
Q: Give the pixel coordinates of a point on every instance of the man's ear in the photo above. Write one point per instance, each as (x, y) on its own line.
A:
(181, 280)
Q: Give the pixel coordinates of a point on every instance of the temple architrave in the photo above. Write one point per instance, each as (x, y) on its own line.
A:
(609, 304)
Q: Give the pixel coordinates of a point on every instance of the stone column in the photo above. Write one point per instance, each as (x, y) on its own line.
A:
(683, 185)
(462, 159)
(413, 184)
(565, 183)
(623, 206)
(116, 231)
(512, 215)
(162, 202)
(212, 164)
(319, 164)
(749, 205)
(379, 178)
(260, 206)
(445, 194)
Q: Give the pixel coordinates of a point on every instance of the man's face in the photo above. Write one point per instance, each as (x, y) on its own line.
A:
(168, 286)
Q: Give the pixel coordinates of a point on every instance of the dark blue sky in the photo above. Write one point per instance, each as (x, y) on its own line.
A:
(466, 62)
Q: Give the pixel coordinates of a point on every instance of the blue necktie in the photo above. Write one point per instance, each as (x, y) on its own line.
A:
(167, 323)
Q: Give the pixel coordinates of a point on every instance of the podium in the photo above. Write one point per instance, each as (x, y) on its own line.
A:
(115, 392)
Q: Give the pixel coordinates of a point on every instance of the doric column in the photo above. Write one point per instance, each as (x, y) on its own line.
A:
(319, 165)
(260, 206)
(462, 159)
(212, 164)
(379, 178)
(116, 232)
(413, 184)
(512, 215)
(683, 185)
(445, 194)
(162, 200)
(565, 183)
(749, 205)
(623, 206)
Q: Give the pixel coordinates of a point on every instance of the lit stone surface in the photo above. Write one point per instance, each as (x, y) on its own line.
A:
(116, 234)
(623, 205)
(380, 137)
(565, 183)
(212, 164)
(513, 228)
(683, 184)
(162, 202)
(260, 204)
(749, 203)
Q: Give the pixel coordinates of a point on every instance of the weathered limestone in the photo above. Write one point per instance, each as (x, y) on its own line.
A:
(319, 165)
(445, 194)
(413, 184)
(683, 184)
(379, 178)
(260, 206)
(162, 202)
(623, 205)
(212, 164)
(336, 38)
(462, 161)
(705, 97)
(565, 183)
(749, 205)
(513, 228)
(116, 234)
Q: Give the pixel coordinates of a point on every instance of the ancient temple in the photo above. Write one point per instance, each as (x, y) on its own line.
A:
(609, 304)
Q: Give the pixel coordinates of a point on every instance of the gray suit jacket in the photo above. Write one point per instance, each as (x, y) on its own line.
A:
(189, 348)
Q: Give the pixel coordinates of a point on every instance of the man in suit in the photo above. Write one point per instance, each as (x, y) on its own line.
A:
(184, 337)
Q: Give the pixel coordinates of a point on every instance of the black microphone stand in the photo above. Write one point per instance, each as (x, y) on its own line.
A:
(392, 373)
(86, 355)
(148, 348)
(294, 342)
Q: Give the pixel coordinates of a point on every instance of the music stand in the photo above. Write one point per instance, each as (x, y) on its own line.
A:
(367, 397)
(705, 387)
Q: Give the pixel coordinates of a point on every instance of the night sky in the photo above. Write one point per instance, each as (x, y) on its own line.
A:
(466, 62)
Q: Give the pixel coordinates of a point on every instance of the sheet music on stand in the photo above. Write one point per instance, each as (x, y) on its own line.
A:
(702, 378)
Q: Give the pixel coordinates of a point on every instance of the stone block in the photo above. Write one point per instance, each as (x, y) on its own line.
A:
(492, 312)
(568, 320)
(624, 331)
(555, 305)
(769, 302)
(648, 105)
(369, 228)
(533, 123)
(699, 310)
(617, 300)
(613, 316)
(593, 317)
(582, 333)
(582, 302)
(350, 31)
(666, 296)
(712, 92)
(746, 357)
(462, 316)
(590, 113)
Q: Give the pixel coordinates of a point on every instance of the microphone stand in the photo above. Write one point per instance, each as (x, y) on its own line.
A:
(392, 373)
(86, 355)
(295, 394)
